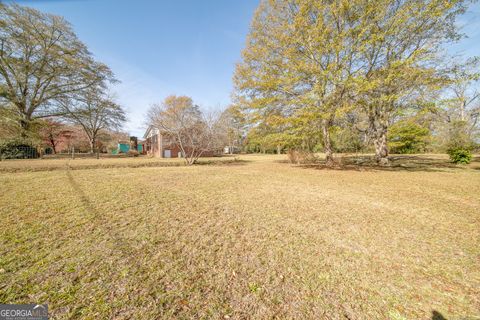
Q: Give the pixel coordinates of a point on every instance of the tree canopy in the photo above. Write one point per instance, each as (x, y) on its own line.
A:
(310, 63)
(42, 62)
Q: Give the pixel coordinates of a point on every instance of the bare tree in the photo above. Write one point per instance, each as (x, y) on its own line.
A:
(458, 107)
(181, 120)
(230, 127)
(53, 133)
(94, 112)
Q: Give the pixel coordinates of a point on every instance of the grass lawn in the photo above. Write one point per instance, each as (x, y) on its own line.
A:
(255, 239)
(92, 163)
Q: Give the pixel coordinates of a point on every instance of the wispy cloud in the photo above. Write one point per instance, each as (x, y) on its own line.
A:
(136, 92)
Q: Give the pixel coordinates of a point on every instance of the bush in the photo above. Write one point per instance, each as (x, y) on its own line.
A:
(408, 137)
(17, 150)
(460, 155)
(132, 153)
(346, 140)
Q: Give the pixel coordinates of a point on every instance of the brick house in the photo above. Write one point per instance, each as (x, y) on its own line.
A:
(160, 145)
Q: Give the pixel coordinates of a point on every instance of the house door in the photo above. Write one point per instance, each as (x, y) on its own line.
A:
(168, 153)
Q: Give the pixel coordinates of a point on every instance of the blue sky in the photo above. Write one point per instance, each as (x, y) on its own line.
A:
(159, 47)
(183, 47)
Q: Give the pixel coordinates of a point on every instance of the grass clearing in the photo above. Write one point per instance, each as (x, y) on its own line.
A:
(261, 239)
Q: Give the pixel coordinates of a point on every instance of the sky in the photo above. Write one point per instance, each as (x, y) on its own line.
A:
(157, 47)
(185, 47)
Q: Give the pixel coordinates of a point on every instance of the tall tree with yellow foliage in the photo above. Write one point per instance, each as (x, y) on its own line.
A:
(298, 62)
(403, 57)
(318, 59)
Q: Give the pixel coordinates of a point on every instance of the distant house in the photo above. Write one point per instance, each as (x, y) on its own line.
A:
(231, 150)
(161, 145)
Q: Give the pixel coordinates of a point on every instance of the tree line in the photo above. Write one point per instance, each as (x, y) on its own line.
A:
(48, 76)
(51, 85)
(349, 75)
(315, 75)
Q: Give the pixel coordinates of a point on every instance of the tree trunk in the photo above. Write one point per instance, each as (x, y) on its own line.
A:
(25, 126)
(327, 143)
(380, 142)
(24, 120)
(279, 149)
(378, 127)
(190, 160)
(54, 149)
(92, 145)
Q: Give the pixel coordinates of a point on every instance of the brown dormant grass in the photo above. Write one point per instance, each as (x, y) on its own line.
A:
(260, 239)
(23, 165)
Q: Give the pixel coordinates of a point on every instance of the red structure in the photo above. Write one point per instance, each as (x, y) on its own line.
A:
(162, 146)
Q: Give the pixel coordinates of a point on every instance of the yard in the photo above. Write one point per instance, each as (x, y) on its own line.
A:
(257, 238)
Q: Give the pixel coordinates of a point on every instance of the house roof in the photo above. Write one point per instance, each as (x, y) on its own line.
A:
(150, 128)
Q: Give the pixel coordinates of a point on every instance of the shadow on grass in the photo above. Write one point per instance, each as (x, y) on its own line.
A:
(230, 162)
(105, 227)
(87, 204)
(406, 163)
(282, 161)
(437, 316)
